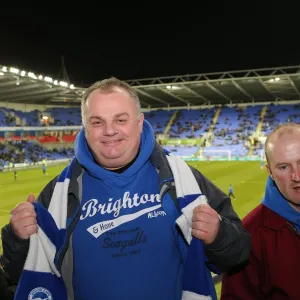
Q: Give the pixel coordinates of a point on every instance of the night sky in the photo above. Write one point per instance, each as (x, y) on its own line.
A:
(148, 40)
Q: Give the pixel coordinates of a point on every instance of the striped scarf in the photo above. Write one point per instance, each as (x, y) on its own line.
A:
(41, 279)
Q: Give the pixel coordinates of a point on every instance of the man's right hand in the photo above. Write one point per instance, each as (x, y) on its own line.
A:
(23, 219)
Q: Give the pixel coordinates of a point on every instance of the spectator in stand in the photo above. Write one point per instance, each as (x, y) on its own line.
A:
(273, 269)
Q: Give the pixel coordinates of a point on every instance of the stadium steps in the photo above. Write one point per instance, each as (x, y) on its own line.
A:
(4, 111)
(170, 122)
(11, 147)
(215, 119)
(259, 127)
(18, 120)
(211, 128)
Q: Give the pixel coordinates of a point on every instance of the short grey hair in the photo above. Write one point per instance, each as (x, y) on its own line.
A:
(278, 132)
(108, 86)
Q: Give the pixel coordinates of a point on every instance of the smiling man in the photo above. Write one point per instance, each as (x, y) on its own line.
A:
(122, 241)
(113, 127)
(273, 272)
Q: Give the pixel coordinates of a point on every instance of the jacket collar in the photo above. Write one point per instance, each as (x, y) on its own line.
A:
(160, 162)
(272, 220)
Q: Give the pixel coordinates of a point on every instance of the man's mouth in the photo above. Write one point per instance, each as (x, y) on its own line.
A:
(112, 142)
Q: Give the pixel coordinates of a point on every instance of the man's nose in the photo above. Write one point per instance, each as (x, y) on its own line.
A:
(110, 129)
(296, 175)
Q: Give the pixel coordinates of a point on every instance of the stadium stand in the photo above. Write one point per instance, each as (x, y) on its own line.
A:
(224, 115)
(159, 119)
(60, 116)
(232, 131)
(192, 123)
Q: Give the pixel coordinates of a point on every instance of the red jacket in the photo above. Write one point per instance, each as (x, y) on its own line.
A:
(273, 271)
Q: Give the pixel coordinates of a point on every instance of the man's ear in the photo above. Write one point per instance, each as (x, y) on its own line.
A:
(141, 122)
(269, 171)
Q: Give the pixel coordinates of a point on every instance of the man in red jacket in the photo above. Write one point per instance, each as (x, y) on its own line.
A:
(273, 270)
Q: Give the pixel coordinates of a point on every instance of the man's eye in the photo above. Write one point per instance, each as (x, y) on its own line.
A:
(282, 167)
(96, 122)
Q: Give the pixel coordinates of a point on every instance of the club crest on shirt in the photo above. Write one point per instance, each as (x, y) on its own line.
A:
(40, 293)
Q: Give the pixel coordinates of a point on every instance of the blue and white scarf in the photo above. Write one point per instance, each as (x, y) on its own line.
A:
(41, 279)
(196, 279)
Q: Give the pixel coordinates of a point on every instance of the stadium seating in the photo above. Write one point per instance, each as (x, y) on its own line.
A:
(182, 150)
(2, 118)
(280, 114)
(20, 118)
(64, 117)
(192, 123)
(159, 119)
(231, 131)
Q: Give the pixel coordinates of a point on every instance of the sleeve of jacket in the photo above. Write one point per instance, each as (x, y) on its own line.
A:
(232, 245)
(243, 283)
(15, 249)
(5, 292)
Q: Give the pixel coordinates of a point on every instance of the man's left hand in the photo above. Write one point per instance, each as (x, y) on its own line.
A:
(205, 223)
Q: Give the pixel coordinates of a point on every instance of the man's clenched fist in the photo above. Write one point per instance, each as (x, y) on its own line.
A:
(205, 223)
(23, 219)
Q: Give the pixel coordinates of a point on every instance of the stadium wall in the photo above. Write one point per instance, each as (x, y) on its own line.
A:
(50, 146)
(36, 165)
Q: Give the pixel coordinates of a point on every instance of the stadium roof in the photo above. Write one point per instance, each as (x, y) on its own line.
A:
(19, 86)
(243, 86)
